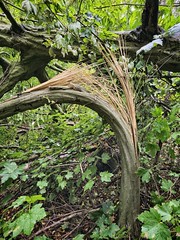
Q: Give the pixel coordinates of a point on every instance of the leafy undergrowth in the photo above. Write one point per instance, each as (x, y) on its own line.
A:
(60, 178)
(61, 168)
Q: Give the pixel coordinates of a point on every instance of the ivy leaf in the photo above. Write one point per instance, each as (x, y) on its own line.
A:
(106, 176)
(69, 175)
(105, 157)
(89, 185)
(10, 170)
(61, 182)
(42, 184)
(25, 223)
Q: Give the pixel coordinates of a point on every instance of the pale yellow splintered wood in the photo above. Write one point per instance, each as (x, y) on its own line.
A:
(101, 87)
(74, 75)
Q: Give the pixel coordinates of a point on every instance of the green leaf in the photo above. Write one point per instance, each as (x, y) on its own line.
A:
(79, 237)
(91, 170)
(37, 212)
(151, 216)
(19, 201)
(34, 198)
(41, 238)
(10, 170)
(165, 211)
(113, 228)
(76, 26)
(152, 227)
(25, 223)
(105, 157)
(61, 182)
(167, 185)
(145, 174)
(29, 7)
(159, 231)
(17, 230)
(42, 184)
(106, 176)
(108, 208)
(89, 185)
(69, 175)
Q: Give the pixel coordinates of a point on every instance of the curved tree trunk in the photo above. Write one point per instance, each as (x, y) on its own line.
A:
(130, 187)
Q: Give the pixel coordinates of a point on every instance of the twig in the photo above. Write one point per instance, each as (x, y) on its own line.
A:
(68, 234)
(4, 63)
(15, 26)
(77, 213)
(157, 188)
(158, 153)
(79, 10)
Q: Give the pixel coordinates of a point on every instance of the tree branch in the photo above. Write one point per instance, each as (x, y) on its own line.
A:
(42, 75)
(150, 18)
(4, 63)
(15, 26)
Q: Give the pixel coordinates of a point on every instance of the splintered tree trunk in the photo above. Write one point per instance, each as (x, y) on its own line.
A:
(129, 203)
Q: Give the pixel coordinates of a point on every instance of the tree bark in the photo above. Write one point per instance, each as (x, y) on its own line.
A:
(150, 18)
(129, 204)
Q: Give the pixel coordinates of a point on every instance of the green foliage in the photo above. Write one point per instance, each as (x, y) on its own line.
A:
(167, 185)
(106, 176)
(145, 174)
(45, 152)
(158, 120)
(79, 237)
(59, 146)
(106, 228)
(42, 238)
(10, 171)
(159, 221)
(25, 223)
(25, 218)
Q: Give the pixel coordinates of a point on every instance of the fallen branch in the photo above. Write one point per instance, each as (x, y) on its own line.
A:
(71, 215)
